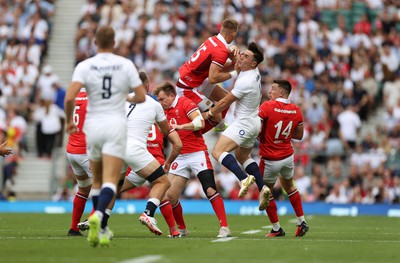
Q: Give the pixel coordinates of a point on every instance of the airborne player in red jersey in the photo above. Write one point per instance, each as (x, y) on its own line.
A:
(207, 67)
(282, 121)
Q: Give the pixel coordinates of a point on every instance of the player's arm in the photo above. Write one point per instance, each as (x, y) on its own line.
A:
(298, 132)
(69, 105)
(140, 95)
(221, 105)
(217, 74)
(197, 122)
(174, 139)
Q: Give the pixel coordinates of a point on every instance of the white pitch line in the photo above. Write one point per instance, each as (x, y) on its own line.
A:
(250, 232)
(224, 239)
(144, 259)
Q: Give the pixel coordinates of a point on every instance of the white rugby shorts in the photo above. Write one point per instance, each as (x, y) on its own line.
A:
(195, 162)
(244, 131)
(137, 156)
(105, 137)
(272, 169)
(80, 164)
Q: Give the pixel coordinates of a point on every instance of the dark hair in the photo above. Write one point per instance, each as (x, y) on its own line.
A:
(105, 37)
(167, 87)
(230, 25)
(258, 52)
(143, 76)
(284, 84)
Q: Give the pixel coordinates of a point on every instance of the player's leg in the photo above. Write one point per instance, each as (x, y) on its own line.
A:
(84, 185)
(242, 154)
(95, 218)
(251, 167)
(155, 174)
(287, 182)
(168, 214)
(178, 183)
(206, 178)
(270, 171)
(221, 153)
(83, 175)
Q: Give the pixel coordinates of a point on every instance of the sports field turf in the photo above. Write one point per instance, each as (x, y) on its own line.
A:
(42, 238)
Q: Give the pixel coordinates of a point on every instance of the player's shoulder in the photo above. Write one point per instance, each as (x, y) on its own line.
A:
(186, 101)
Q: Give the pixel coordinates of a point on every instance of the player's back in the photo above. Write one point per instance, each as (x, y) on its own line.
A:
(280, 121)
(108, 78)
(196, 69)
(76, 141)
(140, 118)
(248, 89)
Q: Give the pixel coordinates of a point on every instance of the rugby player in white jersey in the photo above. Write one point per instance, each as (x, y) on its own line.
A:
(108, 79)
(242, 133)
(140, 118)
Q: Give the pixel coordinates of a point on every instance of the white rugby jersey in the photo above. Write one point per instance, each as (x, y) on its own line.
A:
(247, 89)
(141, 116)
(108, 79)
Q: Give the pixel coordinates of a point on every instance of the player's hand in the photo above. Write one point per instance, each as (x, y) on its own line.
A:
(166, 167)
(233, 51)
(177, 127)
(205, 115)
(5, 150)
(71, 128)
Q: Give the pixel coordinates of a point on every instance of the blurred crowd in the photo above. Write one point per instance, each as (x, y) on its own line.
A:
(342, 58)
(29, 90)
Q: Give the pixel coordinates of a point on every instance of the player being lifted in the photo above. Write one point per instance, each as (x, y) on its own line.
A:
(243, 131)
(207, 67)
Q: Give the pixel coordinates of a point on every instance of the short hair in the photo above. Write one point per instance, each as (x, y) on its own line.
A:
(230, 25)
(167, 87)
(143, 77)
(284, 84)
(105, 37)
(258, 52)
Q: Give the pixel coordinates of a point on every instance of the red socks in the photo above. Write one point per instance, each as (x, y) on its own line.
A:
(219, 208)
(272, 211)
(78, 209)
(295, 200)
(168, 214)
(178, 215)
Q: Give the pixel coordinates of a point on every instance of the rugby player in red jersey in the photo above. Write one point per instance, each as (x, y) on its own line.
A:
(282, 121)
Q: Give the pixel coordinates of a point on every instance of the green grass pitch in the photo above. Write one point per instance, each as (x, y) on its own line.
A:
(42, 238)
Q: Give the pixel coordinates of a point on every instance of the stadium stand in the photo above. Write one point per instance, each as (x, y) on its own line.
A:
(337, 54)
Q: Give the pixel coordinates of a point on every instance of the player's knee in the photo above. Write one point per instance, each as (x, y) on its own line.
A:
(163, 180)
(172, 197)
(84, 183)
(158, 173)
(207, 181)
(216, 153)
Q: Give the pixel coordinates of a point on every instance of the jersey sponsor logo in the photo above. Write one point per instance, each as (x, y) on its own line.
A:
(174, 165)
(112, 67)
(285, 111)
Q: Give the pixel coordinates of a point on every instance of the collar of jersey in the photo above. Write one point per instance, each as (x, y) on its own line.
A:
(283, 100)
(173, 105)
(222, 39)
